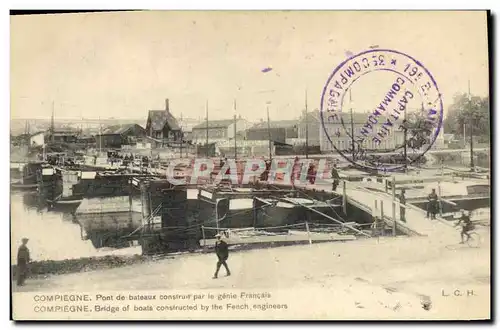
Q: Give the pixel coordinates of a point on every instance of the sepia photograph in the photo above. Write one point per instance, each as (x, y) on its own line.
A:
(250, 165)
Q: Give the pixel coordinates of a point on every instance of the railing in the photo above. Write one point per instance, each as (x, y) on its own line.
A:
(396, 203)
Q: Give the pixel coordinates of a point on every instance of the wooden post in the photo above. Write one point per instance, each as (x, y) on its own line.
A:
(394, 187)
(217, 216)
(203, 233)
(439, 199)
(382, 221)
(308, 233)
(386, 185)
(344, 199)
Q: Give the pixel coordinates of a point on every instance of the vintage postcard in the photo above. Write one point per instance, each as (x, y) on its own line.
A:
(250, 165)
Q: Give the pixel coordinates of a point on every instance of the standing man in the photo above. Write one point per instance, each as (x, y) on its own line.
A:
(432, 204)
(335, 177)
(23, 259)
(402, 209)
(222, 252)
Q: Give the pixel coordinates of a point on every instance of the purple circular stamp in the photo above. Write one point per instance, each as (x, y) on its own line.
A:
(380, 106)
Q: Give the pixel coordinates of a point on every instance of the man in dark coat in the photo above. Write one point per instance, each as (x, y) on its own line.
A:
(222, 252)
(335, 177)
(432, 205)
(23, 259)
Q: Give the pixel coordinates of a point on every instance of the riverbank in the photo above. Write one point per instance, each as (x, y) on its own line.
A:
(45, 268)
(400, 270)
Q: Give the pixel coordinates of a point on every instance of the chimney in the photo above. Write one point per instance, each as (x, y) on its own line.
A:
(167, 108)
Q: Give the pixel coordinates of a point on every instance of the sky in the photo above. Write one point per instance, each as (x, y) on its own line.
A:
(123, 64)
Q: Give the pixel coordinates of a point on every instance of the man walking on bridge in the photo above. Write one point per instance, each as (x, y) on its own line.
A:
(432, 205)
(335, 177)
(222, 251)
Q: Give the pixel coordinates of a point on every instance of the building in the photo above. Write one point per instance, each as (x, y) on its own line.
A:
(63, 136)
(263, 134)
(219, 130)
(162, 126)
(290, 127)
(309, 127)
(116, 136)
(341, 138)
(86, 139)
(244, 148)
(186, 125)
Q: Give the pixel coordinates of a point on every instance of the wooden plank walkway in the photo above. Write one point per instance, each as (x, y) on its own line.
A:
(416, 221)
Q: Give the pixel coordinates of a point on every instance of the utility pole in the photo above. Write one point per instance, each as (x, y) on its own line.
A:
(269, 133)
(352, 126)
(52, 124)
(471, 125)
(405, 142)
(235, 145)
(181, 136)
(465, 140)
(206, 121)
(100, 136)
(307, 128)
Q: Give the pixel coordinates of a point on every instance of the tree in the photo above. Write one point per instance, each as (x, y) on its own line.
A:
(474, 113)
(418, 129)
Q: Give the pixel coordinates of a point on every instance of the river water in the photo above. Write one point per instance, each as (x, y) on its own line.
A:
(52, 235)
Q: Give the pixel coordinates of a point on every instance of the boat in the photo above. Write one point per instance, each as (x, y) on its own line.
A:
(61, 188)
(16, 170)
(263, 208)
(30, 172)
(66, 187)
